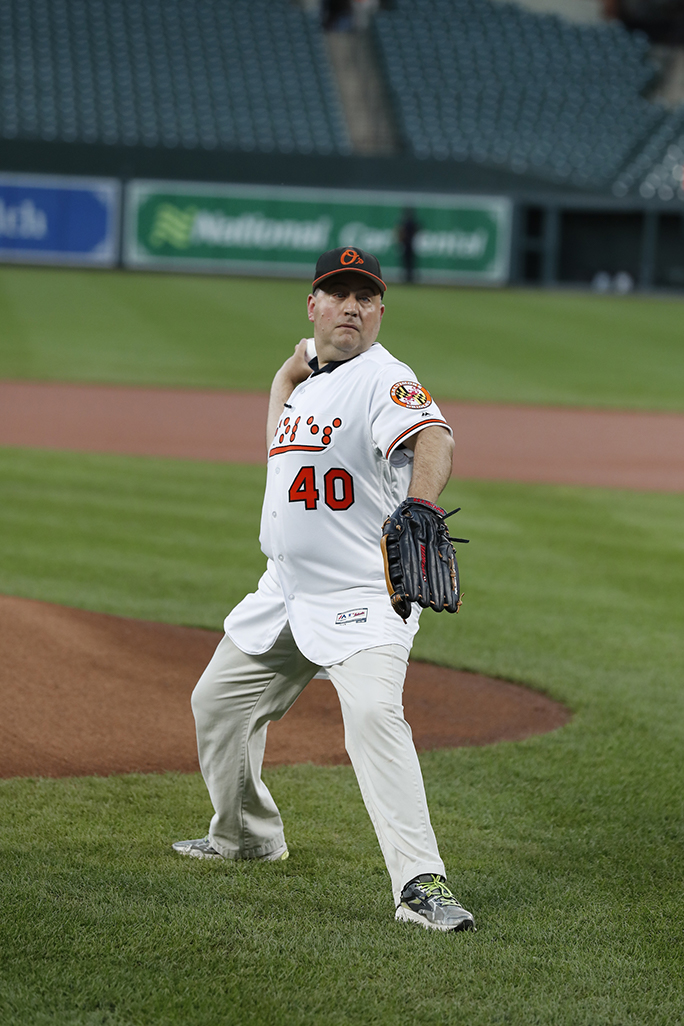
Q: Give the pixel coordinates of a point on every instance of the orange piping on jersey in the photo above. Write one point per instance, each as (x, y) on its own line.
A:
(412, 430)
(295, 448)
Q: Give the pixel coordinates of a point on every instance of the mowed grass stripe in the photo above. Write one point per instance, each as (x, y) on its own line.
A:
(567, 846)
(168, 540)
(565, 348)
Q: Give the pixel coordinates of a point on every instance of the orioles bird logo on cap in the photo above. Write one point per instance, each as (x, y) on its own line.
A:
(350, 256)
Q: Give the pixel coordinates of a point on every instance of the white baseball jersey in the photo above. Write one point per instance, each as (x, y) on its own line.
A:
(336, 469)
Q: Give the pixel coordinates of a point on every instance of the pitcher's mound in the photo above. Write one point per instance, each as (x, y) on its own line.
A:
(84, 693)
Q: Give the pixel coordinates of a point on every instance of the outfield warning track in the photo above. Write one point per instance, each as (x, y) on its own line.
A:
(605, 448)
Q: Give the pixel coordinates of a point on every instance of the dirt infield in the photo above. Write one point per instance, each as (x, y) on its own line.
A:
(85, 693)
(506, 443)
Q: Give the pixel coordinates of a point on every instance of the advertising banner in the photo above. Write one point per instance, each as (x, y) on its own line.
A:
(281, 231)
(50, 219)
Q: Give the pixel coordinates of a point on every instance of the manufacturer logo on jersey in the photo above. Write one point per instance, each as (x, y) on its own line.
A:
(352, 616)
(410, 394)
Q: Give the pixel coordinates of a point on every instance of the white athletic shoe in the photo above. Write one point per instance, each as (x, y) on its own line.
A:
(427, 900)
(202, 849)
(199, 849)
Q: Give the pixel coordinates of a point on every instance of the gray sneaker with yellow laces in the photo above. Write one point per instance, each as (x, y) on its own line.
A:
(427, 900)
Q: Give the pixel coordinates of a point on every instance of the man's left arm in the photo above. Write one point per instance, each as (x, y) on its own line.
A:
(433, 450)
(420, 565)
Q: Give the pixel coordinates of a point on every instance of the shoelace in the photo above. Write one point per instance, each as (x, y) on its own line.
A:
(438, 889)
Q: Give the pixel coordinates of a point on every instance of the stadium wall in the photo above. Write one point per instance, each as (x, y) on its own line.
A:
(354, 172)
(557, 236)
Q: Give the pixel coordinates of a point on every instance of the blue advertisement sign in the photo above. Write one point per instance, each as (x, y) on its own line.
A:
(56, 220)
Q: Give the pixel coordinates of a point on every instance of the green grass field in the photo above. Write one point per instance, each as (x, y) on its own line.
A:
(568, 847)
(471, 344)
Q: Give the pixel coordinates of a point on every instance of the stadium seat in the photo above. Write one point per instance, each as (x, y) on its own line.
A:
(497, 84)
(245, 74)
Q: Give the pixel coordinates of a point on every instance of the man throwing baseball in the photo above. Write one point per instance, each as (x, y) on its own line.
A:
(352, 436)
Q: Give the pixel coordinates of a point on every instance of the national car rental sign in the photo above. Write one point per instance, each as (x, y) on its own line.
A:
(281, 231)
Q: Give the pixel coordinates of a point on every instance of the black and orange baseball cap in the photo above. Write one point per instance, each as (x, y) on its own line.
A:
(348, 258)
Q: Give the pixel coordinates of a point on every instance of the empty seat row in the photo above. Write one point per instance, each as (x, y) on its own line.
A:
(245, 74)
(491, 82)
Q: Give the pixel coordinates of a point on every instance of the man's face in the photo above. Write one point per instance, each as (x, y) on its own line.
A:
(346, 313)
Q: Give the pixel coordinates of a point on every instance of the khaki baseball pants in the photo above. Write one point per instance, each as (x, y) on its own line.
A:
(237, 696)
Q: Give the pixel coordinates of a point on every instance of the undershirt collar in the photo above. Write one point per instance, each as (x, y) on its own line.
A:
(332, 365)
(329, 367)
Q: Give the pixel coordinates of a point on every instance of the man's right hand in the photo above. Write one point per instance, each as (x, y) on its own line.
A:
(296, 367)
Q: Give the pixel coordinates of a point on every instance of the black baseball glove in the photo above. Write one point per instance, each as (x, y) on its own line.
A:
(420, 563)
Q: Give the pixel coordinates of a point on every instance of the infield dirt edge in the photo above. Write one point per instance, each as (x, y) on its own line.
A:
(86, 693)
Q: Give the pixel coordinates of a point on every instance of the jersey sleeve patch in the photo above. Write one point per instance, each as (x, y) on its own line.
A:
(410, 394)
